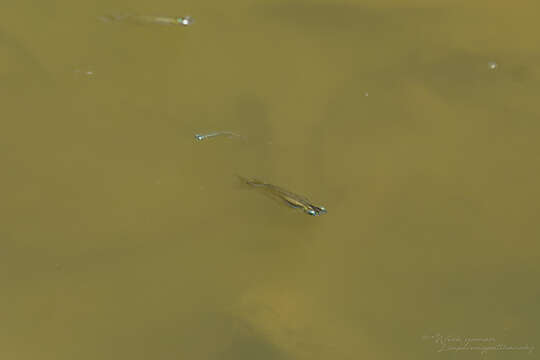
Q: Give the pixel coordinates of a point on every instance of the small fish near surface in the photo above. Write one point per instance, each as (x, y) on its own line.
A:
(201, 137)
(143, 19)
(291, 199)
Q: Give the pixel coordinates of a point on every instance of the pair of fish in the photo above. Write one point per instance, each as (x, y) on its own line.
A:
(293, 200)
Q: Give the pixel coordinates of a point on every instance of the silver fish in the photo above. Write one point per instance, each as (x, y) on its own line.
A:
(200, 137)
(143, 19)
(291, 199)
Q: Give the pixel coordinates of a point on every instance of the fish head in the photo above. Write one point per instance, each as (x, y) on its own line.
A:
(315, 210)
(185, 20)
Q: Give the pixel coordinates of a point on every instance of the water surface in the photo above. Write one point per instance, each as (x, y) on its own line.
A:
(124, 238)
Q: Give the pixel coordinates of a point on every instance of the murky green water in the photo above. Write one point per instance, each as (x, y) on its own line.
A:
(122, 237)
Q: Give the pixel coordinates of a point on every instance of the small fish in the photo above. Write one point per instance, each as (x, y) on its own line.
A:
(291, 199)
(164, 20)
(200, 137)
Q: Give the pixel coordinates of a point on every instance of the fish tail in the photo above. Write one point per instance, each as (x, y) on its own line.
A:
(252, 182)
(242, 179)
